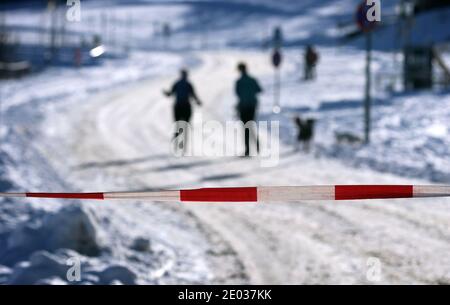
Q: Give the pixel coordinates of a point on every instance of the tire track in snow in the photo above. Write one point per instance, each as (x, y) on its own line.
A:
(285, 243)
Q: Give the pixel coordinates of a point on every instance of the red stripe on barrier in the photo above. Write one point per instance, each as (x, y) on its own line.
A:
(350, 192)
(67, 195)
(230, 194)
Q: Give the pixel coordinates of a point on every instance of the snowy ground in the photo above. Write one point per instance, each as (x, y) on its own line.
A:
(410, 131)
(109, 128)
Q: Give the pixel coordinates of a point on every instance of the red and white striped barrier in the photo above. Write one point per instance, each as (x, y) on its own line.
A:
(262, 193)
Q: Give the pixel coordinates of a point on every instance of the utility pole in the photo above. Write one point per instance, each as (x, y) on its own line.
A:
(105, 28)
(113, 22)
(366, 28)
(368, 95)
(276, 61)
(52, 11)
(129, 29)
(62, 31)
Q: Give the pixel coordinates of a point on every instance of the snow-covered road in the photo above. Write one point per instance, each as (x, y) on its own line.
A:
(119, 140)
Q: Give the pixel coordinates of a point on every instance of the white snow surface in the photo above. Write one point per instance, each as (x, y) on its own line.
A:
(108, 128)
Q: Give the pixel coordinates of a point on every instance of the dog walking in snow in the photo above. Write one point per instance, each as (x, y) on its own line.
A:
(305, 135)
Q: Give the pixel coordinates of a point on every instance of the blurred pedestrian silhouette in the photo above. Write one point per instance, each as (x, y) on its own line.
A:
(247, 89)
(305, 132)
(184, 92)
(167, 33)
(311, 60)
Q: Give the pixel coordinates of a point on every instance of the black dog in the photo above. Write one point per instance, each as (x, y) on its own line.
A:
(305, 132)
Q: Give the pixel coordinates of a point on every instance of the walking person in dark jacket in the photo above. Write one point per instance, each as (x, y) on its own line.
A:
(247, 89)
(184, 92)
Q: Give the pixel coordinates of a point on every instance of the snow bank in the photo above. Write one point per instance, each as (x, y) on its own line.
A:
(44, 250)
(45, 268)
(73, 228)
(410, 136)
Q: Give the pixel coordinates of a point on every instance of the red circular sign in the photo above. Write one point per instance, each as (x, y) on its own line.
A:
(361, 18)
(276, 58)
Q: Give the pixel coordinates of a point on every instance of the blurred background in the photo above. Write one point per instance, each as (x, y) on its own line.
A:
(82, 109)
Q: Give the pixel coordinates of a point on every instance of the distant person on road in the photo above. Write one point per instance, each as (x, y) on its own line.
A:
(247, 89)
(310, 62)
(184, 92)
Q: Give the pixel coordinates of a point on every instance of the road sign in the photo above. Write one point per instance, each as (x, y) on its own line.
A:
(361, 18)
(277, 58)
